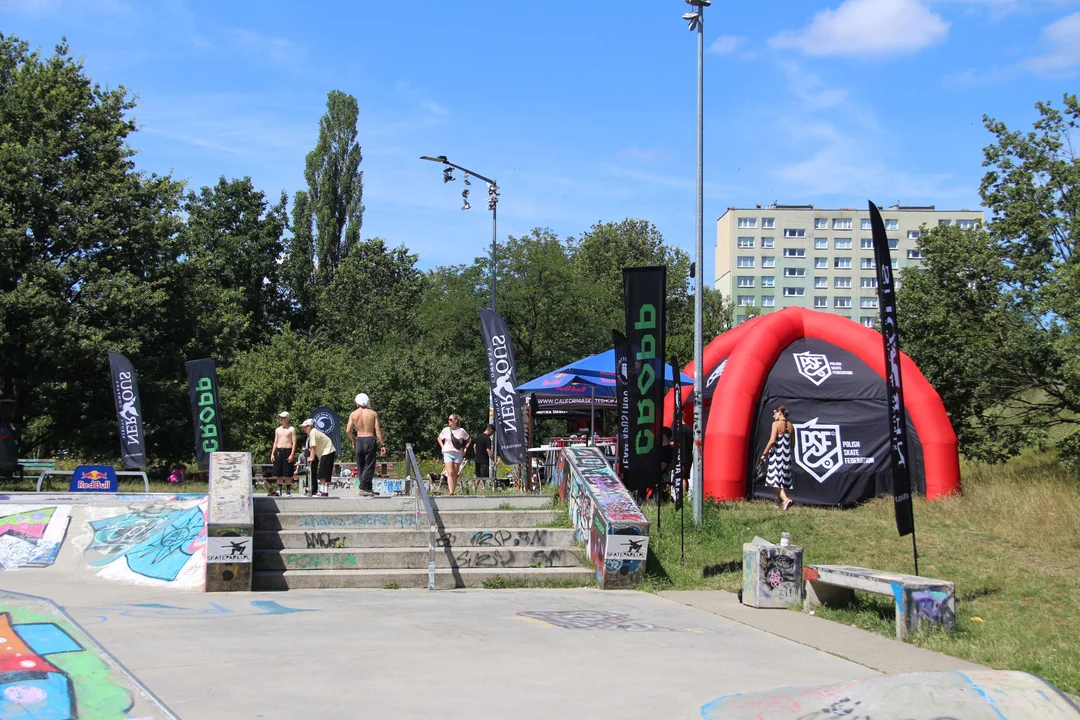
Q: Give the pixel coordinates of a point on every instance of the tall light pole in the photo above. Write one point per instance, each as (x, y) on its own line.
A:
(493, 204)
(696, 20)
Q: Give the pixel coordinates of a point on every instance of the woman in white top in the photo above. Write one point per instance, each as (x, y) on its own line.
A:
(453, 442)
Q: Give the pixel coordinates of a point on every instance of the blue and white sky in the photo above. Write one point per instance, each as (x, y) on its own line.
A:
(582, 111)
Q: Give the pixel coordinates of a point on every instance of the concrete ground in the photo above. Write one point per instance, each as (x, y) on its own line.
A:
(452, 654)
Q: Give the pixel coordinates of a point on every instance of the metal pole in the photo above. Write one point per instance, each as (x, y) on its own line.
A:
(699, 266)
(492, 468)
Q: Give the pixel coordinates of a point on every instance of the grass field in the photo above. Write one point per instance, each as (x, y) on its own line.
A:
(1011, 544)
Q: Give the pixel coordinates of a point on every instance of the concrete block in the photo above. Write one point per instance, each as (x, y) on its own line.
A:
(230, 523)
(772, 575)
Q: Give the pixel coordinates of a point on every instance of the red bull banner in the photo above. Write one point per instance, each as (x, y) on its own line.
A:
(94, 478)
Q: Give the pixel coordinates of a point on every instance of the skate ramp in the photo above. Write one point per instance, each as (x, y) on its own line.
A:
(146, 539)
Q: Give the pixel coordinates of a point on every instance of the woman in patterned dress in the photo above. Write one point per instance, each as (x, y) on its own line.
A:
(778, 453)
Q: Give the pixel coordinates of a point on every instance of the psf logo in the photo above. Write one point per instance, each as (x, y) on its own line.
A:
(818, 449)
(813, 366)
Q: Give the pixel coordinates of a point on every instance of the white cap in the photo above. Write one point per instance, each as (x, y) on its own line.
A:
(283, 414)
(309, 421)
(362, 400)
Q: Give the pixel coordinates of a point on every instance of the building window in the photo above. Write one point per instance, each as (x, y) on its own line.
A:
(794, 252)
(868, 303)
(914, 255)
(842, 243)
(892, 224)
(893, 244)
(842, 282)
(914, 234)
(842, 302)
(820, 282)
(768, 301)
(768, 261)
(768, 223)
(821, 302)
(745, 301)
(867, 264)
(740, 319)
(794, 272)
(866, 244)
(821, 223)
(794, 292)
(821, 263)
(867, 321)
(841, 224)
(965, 224)
(744, 261)
(767, 243)
(821, 243)
(745, 281)
(865, 224)
(746, 242)
(794, 233)
(843, 263)
(768, 281)
(747, 222)
(868, 283)
(944, 223)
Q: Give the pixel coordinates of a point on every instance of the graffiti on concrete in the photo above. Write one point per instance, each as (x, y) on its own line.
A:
(95, 615)
(390, 520)
(155, 541)
(323, 540)
(605, 620)
(932, 606)
(493, 558)
(31, 537)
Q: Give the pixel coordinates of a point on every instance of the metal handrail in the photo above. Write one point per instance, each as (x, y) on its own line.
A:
(422, 493)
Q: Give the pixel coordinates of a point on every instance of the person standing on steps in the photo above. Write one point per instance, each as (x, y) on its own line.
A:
(363, 428)
(321, 455)
(778, 454)
(281, 457)
(453, 443)
(483, 455)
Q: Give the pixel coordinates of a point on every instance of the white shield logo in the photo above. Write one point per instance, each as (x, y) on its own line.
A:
(715, 376)
(813, 366)
(818, 449)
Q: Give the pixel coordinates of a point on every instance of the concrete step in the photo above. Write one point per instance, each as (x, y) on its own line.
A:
(444, 579)
(318, 520)
(378, 538)
(492, 502)
(332, 504)
(416, 558)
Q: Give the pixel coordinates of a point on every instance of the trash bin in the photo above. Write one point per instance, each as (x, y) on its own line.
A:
(772, 575)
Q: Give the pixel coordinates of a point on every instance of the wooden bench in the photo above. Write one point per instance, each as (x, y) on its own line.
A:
(34, 468)
(920, 602)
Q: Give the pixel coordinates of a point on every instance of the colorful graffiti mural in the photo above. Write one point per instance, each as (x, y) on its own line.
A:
(31, 536)
(50, 669)
(600, 509)
(155, 541)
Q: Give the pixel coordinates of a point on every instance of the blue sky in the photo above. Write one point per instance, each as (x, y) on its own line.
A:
(582, 111)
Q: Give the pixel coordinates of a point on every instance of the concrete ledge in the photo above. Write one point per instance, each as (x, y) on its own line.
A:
(860, 646)
(229, 523)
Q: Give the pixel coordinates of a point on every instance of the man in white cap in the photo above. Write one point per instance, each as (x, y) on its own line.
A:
(321, 455)
(282, 454)
(362, 429)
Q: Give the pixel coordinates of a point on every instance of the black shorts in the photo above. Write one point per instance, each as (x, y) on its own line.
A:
(326, 467)
(282, 467)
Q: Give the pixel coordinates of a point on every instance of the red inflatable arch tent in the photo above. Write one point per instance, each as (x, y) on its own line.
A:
(829, 372)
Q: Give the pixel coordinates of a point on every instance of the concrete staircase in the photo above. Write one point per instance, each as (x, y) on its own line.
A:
(376, 542)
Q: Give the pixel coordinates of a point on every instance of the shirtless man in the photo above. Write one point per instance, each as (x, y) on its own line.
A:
(363, 427)
(282, 455)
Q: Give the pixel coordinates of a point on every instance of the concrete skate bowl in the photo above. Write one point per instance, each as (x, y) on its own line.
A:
(152, 539)
(51, 668)
(946, 695)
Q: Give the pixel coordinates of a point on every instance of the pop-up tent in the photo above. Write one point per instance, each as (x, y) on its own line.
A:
(829, 373)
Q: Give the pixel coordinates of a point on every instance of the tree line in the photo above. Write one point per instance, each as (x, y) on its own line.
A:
(294, 304)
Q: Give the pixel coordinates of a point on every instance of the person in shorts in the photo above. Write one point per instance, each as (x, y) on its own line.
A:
(281, 457)
(322, 457)
(453, 443)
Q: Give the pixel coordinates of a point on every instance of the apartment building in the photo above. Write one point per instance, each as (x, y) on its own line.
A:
(798, 255)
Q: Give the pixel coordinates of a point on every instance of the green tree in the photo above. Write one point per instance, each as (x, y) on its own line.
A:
(335, 184)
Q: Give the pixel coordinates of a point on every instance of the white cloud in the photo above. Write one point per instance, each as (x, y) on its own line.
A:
(1062, 42)
(867, 28)
(727, 44)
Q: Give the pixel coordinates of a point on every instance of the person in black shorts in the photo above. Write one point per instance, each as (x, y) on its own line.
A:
(482, 453)
(283, 454)
(322, 455)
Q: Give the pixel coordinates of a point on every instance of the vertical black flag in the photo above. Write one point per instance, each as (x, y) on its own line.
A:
(901, 476)
(644, 291)
(329, 423)
(509, 425)
(676, 437)
(128, 411)
(622, 402)
(205, 410)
